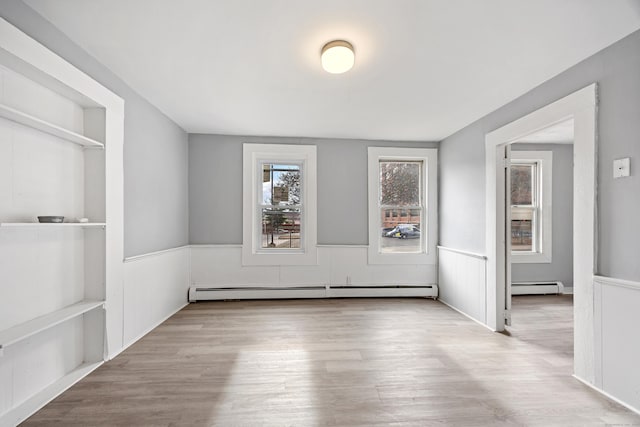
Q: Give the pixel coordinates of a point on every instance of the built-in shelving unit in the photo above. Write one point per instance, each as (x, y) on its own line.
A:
(44, 126)
(55, 325)
(54, 224)
(25, 330)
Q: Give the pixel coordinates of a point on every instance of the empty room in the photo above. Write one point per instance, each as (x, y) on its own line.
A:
(336, 213)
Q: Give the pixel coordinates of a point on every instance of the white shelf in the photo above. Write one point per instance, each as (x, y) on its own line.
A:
(53, 224)
(39, 324)
(50, 128)
(23, 411)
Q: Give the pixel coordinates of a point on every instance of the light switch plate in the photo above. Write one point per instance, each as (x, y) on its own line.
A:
(621, 167)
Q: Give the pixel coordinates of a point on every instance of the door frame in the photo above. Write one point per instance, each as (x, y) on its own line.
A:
(581, 106)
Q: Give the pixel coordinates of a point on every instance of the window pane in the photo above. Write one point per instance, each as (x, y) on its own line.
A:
(522, 184)
(522, 229)
(280, 228)
(400, 183)
(280, 184)
(401, 230)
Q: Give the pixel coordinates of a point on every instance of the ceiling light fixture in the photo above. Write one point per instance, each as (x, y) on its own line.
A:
(338, 57)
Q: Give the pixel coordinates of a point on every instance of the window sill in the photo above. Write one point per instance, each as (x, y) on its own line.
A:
(530, 258)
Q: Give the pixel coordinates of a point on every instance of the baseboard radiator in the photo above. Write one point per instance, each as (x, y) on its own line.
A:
(537, 288)
(207, 293)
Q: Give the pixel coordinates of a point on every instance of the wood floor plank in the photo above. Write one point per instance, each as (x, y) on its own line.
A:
(341, 362)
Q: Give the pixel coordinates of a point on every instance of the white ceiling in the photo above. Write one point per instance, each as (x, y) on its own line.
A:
(424, 68)
(560, 133)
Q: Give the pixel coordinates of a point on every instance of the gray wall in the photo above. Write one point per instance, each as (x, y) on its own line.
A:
(462, 189)
(215, 187)
(561, 265)
(155, 148)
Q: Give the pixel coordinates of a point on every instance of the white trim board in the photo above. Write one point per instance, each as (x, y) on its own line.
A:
(461, 252)
(155, 253)
(616, 282)
(581, 106)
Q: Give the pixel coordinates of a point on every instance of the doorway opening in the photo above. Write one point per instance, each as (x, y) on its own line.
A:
(581, 107)
(540, 226)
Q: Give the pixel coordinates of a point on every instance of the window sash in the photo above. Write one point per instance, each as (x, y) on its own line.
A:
(261, 231)
(420, 207)
(260, 206)
(535, 228)
(389, 244)
(534, 207)
(421, 172)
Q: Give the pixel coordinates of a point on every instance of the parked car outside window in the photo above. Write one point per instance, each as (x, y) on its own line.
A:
(404, 231)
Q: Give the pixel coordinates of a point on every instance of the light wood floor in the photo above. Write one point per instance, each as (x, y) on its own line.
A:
(341, 362)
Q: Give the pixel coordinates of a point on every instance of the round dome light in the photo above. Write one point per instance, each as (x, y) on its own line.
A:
(338, 57)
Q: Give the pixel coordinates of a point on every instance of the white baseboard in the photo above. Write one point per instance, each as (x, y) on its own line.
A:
(466, 315)
(607, 395)
(149, 329)
(29, 407)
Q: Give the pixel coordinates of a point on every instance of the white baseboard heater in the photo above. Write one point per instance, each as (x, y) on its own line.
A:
(537, 288)
(207, 293)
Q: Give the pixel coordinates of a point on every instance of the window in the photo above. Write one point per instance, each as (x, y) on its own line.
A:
(524, 207)
(402, 205)
(531, 206)
(279, 210)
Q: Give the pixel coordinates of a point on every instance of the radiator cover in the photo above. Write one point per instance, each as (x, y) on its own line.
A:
(209, 293)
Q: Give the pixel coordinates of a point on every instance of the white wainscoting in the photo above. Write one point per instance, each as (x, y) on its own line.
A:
(462, 282)
(219, 266)
(617, 339)
(155, 287)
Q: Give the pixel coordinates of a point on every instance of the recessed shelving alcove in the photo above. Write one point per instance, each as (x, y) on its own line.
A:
(61, 136)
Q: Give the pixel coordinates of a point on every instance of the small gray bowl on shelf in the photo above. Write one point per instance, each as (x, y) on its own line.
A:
(51, 219)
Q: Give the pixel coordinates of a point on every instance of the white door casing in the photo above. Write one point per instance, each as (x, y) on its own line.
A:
(581, 106)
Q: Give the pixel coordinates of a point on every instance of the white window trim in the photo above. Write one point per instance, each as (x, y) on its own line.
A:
(429, 157)
(253, 155)
(545, 226)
